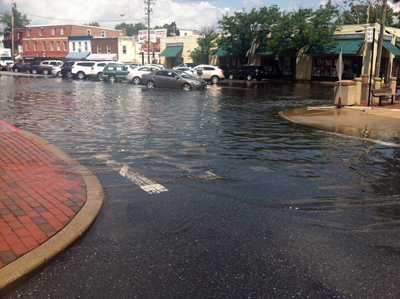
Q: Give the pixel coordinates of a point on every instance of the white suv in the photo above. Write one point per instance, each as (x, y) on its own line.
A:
(207, 72)
(82, 69)
(46, 66)
(97, 70)
(135, 75)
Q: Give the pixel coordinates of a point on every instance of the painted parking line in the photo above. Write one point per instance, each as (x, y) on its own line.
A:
(141, 181)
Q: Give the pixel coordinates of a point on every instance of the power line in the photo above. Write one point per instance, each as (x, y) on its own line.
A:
(67, 20)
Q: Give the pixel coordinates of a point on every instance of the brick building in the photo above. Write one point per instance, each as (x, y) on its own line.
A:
(52, 41)
(104, 48)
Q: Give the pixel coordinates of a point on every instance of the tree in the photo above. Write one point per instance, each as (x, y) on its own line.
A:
(172, 30)
(303, 27)
(20, 21)
(94, 24)
(131, 29)
(242, 29)
(364, 12)
(207, 44)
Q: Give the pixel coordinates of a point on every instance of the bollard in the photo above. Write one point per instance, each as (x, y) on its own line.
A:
(359, 85)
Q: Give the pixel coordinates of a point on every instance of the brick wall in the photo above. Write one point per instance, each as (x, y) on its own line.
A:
(103, 43)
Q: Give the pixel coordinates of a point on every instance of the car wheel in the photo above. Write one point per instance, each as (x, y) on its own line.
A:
(16, 70)
(80, 75)
(45, 72)
(28, 71)
(136, 80)
(186, 87)
(214, 79)
(59, 75)
(249, 77)
(69, 75)
(151, 84)
(112, 79)
(34, 71)
(231, 76)
(100, 76)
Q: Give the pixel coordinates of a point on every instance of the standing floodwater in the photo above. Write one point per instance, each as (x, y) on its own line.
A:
(250, 205)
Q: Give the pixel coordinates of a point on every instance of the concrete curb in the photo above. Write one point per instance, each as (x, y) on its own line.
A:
(20, 269)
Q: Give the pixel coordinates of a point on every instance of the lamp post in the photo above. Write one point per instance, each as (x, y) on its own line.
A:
(148, 12)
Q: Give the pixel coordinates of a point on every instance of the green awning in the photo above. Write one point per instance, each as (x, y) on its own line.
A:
(223, 51)
(262, 51)
(171, 51)
(348, 47)
(391, 48)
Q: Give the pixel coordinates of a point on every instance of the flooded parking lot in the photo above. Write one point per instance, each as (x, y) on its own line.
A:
(247, 204)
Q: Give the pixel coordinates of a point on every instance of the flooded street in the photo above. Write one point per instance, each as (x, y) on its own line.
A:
(218, 196)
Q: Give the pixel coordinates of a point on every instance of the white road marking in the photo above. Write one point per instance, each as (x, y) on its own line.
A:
(144, 183)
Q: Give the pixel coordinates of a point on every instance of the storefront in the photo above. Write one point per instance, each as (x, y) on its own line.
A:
(396, 60)
(224, 58)
(325, 57)
(172, 54)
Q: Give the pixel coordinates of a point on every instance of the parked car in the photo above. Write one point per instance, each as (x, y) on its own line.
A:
(135, 76)
(56, 71)
(66, 69)
(170, 78)
(97, 70)
(133, 64)
(32, 68)
(189, 65)
(183, 68)
(4, 62)
(157, 65)
(247, 71)
(114, 72)
(9, 65)
(46, 66)
(18, 67)
(208, 72)
(82, 69)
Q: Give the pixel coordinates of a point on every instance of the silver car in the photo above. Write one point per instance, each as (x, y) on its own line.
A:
(170, 78)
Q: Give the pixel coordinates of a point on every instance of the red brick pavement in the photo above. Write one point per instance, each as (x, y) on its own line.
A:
(39, 194)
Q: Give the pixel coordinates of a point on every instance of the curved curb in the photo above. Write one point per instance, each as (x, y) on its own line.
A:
(19, 269)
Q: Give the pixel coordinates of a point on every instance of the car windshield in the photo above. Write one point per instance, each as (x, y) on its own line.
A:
(185, 75)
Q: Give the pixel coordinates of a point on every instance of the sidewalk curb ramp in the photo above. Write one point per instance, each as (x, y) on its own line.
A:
(23, 267)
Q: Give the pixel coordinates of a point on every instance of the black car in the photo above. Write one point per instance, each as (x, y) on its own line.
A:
(18, 67)
(66, 69)
(248, 72)
(32, 68)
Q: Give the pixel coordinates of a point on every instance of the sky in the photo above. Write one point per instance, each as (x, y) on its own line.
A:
(188, 14)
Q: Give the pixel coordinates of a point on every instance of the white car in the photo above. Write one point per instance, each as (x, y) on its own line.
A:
(82, 69)
(135, 75)
(97, 70)
(208, 72)
(56, 71)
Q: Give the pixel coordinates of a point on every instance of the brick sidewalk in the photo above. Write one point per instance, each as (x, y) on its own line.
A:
(39, 194)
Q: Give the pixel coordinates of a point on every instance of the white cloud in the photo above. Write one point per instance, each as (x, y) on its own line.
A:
(187, 15)
(248, 4)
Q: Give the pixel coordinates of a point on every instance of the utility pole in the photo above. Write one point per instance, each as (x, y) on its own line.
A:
(380, 41)
(13, 5)
(148, 12)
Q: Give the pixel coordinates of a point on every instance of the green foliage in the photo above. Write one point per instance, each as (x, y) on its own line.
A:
(172, 30)
(297, 29)
(131, 29)
(364, 12)
(94, 24)
(241, 29)
(20, 21)
(207, 44)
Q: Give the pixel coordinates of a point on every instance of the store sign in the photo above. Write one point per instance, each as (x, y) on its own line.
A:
(370, 34)
(155, 35)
